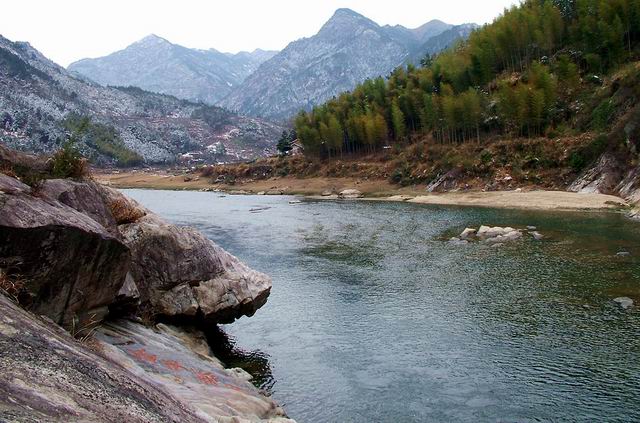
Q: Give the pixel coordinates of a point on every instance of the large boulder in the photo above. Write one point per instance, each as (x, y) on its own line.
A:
(180, 273)
(125, 373)
(87, 197)
(71, 266)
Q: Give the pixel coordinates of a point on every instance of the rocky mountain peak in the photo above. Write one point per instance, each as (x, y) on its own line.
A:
(151, 40)
(345, 21)
(431, 29)
(155, 64)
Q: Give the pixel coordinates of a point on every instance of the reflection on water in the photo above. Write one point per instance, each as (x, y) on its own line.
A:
(256, 363)
(373, 318)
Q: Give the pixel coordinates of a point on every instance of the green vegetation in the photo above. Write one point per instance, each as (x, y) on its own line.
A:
(103, 138)
(524, 75)
(68, 162)
(285, 143)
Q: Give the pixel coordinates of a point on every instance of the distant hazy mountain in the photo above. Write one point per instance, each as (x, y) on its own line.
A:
(445, 39)
(41, 104)
(348, 49)
(157, 65)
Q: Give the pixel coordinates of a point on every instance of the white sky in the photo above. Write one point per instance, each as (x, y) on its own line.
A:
(68, 30)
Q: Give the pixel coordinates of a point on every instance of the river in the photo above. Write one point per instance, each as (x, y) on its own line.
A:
(374, 318)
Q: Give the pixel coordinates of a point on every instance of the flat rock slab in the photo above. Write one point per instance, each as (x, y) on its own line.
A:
(47, 376)
(181, 363)
(128, 373)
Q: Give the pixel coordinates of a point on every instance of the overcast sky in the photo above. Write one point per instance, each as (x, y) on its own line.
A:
(68, 30)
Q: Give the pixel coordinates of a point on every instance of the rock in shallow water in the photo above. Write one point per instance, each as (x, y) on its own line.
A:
(624, 302)
(467, 233)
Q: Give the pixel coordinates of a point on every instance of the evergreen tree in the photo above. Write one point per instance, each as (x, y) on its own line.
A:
(284, 145)
(397, 118)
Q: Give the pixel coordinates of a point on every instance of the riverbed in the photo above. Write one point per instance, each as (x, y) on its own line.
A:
(374, 317)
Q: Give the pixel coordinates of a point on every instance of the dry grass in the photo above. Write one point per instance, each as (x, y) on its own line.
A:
(7, 169)
(543, 162)
(125, 212)
(84, 331)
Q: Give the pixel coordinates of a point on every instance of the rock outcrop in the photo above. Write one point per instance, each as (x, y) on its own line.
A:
(125, 373)
(72, 267)
(180, 273)
(77, 255)
(83, 248)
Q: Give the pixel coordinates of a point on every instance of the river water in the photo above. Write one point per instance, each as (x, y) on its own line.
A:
(374, 318)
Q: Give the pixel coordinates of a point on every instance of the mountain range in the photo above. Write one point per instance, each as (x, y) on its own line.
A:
(42, 105)
(348, 49)
(155, 64)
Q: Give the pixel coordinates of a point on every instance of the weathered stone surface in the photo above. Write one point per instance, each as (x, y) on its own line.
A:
(180, 361)
(72, 266)
(87, 197)
(602, 178)
(170, 261)
(127, 300)
(178, 301)
(9, 185)
(446, 182)
(128, 373)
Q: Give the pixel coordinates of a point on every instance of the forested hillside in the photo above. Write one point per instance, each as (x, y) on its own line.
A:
(543, 68)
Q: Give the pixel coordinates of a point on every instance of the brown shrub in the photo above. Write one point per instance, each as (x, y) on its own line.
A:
(12, 287)
(7, 169)
(125, 212)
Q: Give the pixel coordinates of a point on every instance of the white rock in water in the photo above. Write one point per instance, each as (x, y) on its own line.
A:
(512, 235)
(536, 235)
(458, 241)
(467, 233)
(350, 193)
(487, 232)
(531, 228)
(623, 302)
(623, 254)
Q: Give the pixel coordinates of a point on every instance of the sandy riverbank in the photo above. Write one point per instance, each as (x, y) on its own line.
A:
(380, 190)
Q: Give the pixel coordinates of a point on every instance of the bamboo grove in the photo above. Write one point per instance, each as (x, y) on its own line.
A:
(513, 77)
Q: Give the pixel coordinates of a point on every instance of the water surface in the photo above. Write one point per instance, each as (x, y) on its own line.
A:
(373, 318)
